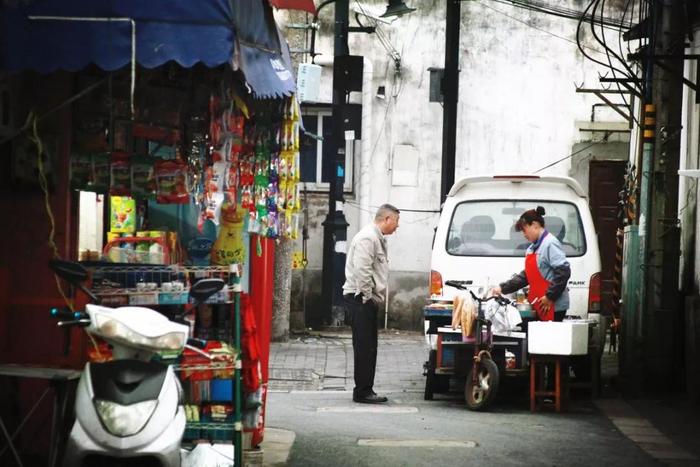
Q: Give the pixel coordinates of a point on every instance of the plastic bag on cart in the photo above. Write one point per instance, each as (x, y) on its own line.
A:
(208, 455)
(504, 318)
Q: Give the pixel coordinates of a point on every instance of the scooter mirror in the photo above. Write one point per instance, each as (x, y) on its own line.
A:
(70, 271)
(205, 288)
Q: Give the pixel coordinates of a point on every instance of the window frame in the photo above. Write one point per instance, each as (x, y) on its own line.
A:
(320, 111)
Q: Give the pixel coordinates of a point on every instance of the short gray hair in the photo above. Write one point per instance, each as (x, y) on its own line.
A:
(384, 210)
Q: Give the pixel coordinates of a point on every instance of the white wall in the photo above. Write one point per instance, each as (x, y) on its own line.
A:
(90, 230)
(518, 109)
(688, 187)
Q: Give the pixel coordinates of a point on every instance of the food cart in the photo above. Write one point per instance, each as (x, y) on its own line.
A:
(451, 355)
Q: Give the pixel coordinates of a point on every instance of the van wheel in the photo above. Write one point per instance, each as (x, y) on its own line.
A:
(481, 393)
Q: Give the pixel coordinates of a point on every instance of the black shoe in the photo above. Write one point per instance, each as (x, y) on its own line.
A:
(370, 399)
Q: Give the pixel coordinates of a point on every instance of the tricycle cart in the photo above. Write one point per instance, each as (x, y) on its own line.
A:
(480, 359)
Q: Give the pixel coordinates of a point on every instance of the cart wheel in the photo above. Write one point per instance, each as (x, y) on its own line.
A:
(480, 395)
(430, 375)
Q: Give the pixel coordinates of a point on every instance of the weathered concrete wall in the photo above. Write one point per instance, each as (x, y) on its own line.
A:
(407, 292)
(282, 290)
(518, 111)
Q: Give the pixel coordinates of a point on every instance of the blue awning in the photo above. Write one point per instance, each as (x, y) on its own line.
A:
(48, 35)
(263, 52)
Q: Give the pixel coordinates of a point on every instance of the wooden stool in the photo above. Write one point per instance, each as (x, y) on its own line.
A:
(560, 394)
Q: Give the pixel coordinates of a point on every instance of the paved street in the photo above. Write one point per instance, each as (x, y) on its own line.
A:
(310, 413)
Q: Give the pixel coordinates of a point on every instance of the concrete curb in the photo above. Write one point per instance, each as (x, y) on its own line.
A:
(276, 446)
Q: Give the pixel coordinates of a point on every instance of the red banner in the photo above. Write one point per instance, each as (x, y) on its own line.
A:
(304, 5)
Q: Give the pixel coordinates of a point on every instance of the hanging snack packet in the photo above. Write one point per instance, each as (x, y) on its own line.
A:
(143, 181)
(236, 133)
(171, 182)
(216, 174)
(213, 206)
(122, 214)
(81, 172)
(120, 174)
(100, 172)
(271, 226)
(231, 184)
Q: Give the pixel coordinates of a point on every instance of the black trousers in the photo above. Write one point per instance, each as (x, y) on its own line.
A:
(363, 318)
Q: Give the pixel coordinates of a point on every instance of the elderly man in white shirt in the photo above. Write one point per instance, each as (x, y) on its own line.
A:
(366, 273)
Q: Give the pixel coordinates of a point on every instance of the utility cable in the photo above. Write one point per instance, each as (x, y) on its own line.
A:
(369, 208)
(539, 29)
(607, 134)
(32, 121)
(557, 11)
(632, 73)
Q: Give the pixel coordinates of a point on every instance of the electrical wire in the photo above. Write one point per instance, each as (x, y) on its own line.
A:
(32, 121)
(602, 41)
(386, 115)
(580, 45)
(632, 73)
(379, 32)
(538, 29)
(372, 209)
(607, 134)
(558, 11)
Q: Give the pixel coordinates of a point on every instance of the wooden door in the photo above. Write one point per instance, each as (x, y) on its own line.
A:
(606, 179)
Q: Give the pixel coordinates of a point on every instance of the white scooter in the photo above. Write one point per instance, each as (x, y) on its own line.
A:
(128, 411)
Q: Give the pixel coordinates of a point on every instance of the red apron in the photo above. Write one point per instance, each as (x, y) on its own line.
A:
(538, 287)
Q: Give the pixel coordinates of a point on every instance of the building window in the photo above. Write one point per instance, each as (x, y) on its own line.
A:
(316, 158)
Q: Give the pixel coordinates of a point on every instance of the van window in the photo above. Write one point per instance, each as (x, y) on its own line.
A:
(486, 228)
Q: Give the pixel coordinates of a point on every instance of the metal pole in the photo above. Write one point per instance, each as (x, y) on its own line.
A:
(335, 224)
(657, 326)
(237, 379)
(450, 86)
(386, 304)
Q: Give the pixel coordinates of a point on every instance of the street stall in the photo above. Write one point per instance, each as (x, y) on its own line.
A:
(190, 147)
(481, 341)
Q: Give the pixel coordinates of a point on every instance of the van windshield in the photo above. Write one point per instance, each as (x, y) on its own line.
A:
(486, 228)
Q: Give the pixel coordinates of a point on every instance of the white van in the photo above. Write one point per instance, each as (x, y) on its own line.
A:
(476, 243)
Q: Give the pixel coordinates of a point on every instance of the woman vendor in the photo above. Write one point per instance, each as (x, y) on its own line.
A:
(547, 270)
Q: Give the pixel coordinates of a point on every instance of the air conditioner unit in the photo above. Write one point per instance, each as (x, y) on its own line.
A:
(308, 82)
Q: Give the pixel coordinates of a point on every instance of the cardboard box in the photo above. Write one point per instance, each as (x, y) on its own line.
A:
(557, 338)
(144, 298)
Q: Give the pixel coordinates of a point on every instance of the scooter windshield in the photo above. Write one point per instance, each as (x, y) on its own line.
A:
(137, 327)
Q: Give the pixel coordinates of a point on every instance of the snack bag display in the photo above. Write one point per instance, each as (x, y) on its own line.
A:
(143, 181)
(123, 214)
(81, 172)
(101, 173)
(120, 174)
(171, 182)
